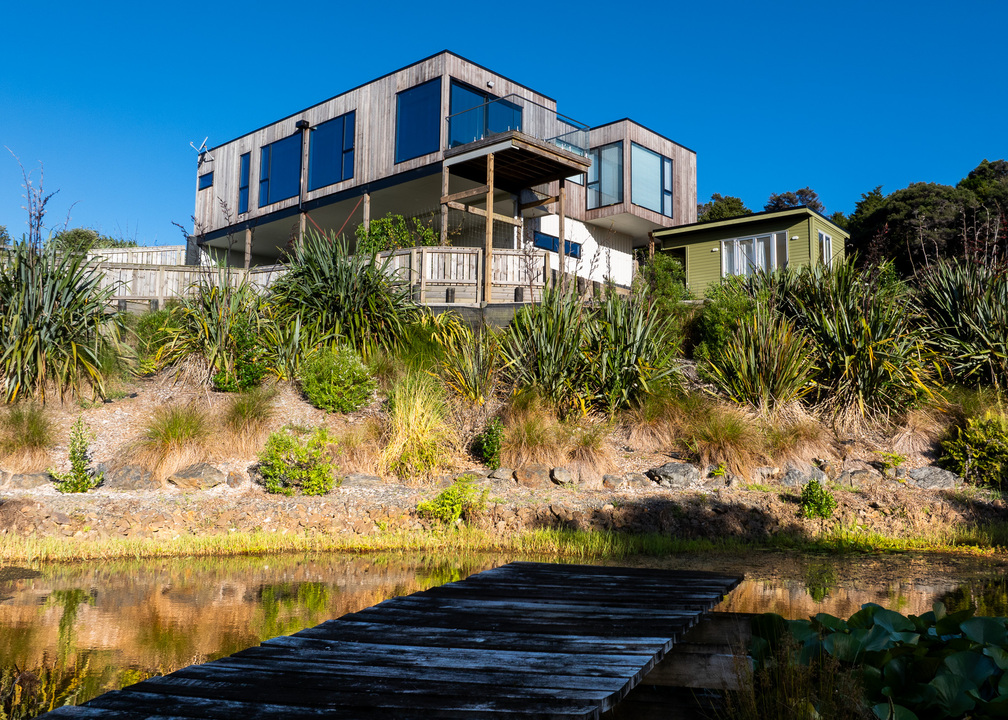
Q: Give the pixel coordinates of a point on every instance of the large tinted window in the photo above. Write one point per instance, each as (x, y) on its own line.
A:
(243, 182)
(206, 180)
(330, 152)
(476, 114)
(418, 127)
(280, 170)
(605, 176)
(650, 180)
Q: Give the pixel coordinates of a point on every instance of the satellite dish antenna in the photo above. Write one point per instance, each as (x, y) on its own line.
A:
(204, 154)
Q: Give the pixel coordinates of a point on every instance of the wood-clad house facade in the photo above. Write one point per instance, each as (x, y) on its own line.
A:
(440, 140)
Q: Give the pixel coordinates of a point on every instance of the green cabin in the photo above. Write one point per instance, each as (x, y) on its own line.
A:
(767, 241)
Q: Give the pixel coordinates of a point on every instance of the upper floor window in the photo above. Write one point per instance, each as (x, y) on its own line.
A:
(744, 256)
(650, 180)
(280, 170)
(243, 182)
(206, 180)
(418, 126)
(331, 152)
(605, 176)
(476, 114)
(825, 249)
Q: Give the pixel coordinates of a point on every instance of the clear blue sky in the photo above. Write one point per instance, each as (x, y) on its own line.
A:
(840, 96)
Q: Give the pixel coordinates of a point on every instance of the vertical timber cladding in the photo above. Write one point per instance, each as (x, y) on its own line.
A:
(374, 136)
(684, 189)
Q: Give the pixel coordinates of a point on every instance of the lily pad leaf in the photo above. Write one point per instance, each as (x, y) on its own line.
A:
(985, 630)
(892, 711)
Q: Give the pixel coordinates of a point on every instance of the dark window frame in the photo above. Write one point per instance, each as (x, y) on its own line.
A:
(545, 241)
(266, 170)
(666, 198)
(244, 177)
(205, 180)
(596, 157)
(348, 121)
(400, 152)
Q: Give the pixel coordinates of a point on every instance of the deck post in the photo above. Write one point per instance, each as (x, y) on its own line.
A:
(248, 248)
(444, 205)
(562, 245)
(488, 253)
(367, 213)
(302, 225)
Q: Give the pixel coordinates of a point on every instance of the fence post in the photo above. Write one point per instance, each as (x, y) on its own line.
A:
(423, 276)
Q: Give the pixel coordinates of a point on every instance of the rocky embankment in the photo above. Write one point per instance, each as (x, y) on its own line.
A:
(675, 498)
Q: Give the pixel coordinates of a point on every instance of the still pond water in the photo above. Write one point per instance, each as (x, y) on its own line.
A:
(106, 625)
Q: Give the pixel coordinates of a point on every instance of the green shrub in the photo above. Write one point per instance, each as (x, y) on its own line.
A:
(725, 308)
(53, 323)
(336, 380)
(150, 334)
(291, 462)
(460, 500)
(978, 451)
(817, 501)
(417, 437)
(247, 368)
(393, 232)
(487, 445)
(80, 478)
(765, 363)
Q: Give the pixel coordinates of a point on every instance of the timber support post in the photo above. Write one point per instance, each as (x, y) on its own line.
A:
(488, 252)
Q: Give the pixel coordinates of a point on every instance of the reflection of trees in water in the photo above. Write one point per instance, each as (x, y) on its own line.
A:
(987, 596)
(70, 600)
(820, 581)
(288, 607)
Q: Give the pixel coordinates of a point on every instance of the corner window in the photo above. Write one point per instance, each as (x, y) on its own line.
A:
(605, 176)
(331, 152)
(206, 180)
(552, 243)
(418, 126)
(650, 180)
(746, 256)
(475, 114)
(243, 182)
(825, 249)
(280, 170)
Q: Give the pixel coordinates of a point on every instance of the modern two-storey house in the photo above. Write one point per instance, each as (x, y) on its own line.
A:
(485, 162)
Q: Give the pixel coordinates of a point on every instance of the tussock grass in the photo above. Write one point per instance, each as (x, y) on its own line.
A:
(26, 433)
(532, 433)
(358, 447)
(246, 417)
(175, 437)
(589, 448)
(418, 440)
(720, 434)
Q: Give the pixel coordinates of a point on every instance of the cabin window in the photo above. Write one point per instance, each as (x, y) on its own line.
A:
(331, 152)
(243, 182)
(206, 180)
(650, 180)
(605, 176)
(747, 255)
(280, 170)
(552, 243)
(418, 126)
(476, 114)
(825, 249)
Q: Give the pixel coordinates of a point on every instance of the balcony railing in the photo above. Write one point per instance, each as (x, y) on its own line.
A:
(514, 112)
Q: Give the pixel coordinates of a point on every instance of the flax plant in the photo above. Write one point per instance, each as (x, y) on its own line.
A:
(54, 328)
(470, 363)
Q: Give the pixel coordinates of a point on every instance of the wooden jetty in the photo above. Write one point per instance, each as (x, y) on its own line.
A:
(521, 640)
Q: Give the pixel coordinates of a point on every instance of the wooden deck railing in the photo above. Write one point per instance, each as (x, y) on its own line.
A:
(435, 275)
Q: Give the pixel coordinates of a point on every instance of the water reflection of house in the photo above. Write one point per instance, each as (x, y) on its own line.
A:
(443, 140)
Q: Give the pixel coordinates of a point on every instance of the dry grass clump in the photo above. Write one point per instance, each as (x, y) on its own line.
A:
(246, 417)
(657, 423)
(26, 433)
(589, 449)
(175, 437)
(358, 447)
(532, 433)
(920, 432)
(724, 435)
(418, 440)
(800, 437)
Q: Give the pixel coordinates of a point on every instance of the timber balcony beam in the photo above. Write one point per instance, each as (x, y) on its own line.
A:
(482, 213)
(479, 192)
(536, 203)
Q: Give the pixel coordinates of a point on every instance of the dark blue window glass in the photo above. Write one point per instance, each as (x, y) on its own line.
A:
(206, 180)
(476, 114)
(243, 182)
(330, 155)
(280, 170)
(552, 243)
(418, 127)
